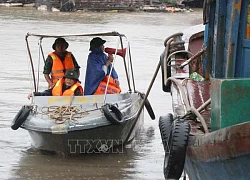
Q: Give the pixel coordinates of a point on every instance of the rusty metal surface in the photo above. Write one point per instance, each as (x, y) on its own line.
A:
(224, 143)
(197, 92)
(196, 42)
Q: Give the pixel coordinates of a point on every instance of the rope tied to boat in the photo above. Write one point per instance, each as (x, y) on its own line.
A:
(63, 113)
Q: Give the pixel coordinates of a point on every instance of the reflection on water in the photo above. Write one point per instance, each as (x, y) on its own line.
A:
(143, 159)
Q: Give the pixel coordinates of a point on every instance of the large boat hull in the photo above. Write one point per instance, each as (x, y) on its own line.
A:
(212, 95)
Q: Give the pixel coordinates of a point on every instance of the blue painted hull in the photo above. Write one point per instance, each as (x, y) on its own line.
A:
(234, 168)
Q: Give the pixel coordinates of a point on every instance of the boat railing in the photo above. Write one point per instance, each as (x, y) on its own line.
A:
(127, 61)
(176, 52)
(197, 55)
(174, 46)
(173, 43)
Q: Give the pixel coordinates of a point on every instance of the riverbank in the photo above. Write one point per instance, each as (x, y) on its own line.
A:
(145, 8)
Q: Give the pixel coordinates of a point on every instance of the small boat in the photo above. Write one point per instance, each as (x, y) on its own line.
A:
(83, 124)
(29, 4)
(112, 11)
(11, 4)
(193, 3)
(207, 135)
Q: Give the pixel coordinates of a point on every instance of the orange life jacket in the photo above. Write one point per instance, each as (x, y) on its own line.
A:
(59, 67)
(57, 90)
(112, 87)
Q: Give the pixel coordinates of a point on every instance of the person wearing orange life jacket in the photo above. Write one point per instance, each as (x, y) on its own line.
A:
(98, 69)
(66, 86)
(58, 62)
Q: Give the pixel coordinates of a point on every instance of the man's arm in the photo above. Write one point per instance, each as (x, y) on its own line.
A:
(47, 70)
(49, 80)
(78, 92)
(115, 76)
(77, 67)
(47, 92)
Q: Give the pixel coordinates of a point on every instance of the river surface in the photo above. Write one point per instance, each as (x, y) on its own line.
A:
(146, 31)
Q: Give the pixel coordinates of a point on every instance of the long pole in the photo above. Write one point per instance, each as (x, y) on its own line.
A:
(144, 100)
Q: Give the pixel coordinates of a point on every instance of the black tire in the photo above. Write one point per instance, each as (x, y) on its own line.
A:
(175, 158)
(148, 107)
(113, 114)
(165, 125)
(20, 117)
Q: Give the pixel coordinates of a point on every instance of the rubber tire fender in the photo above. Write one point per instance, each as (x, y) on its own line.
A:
(175, 156)
(148, 107)
(165, 125)
(20, 117)
(113, 114)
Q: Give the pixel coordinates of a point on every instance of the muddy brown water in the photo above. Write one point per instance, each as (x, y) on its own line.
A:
(146, 31)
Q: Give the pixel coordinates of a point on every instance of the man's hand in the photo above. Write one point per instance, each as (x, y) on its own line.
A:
(30, 95)
(51, 85)
(48, 79)
(110, 58)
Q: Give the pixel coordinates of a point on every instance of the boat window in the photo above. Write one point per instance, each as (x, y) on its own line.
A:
(248, 21)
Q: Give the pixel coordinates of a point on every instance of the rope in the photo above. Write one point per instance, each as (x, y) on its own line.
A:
(63, 113)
